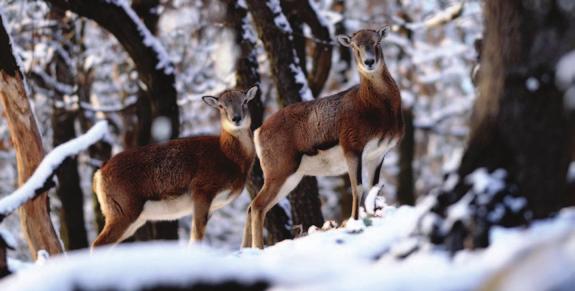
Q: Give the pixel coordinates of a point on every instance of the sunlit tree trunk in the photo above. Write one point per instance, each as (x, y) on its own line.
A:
(34, 215)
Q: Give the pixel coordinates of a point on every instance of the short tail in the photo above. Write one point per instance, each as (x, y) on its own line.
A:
(97, 185)
(96, 181)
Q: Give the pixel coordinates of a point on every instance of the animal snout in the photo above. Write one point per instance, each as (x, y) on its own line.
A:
(369, 62)
(236, 118)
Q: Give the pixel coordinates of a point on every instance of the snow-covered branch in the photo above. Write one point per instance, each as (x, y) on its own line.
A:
(42, 175)
(439, 18)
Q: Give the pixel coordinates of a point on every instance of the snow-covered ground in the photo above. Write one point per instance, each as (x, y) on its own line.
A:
(539, 257)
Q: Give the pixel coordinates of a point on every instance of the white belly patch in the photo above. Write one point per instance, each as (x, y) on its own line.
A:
(168, 209)
(330, 162)
(376, 149)
(222, 199)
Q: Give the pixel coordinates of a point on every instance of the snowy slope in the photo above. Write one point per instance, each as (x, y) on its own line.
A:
(332, 260)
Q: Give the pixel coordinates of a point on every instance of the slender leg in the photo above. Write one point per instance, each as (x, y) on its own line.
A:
(272, 191)
(199, 219)
(247, 237)
(258, 208)
(113, 232)
(354, 170)
(369, 169)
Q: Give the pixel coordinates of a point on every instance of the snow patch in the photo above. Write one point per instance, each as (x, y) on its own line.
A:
(315, 7)
(370, 200)
(304, 91)
(323, 261)
(532, 84)
(279, 18)
(565, 70)
(8, 238)
(571, 173)
(161, 128)
(483, 182)
(354, 226)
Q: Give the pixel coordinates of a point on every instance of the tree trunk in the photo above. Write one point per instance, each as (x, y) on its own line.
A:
(344, 52)
(4, 271)
(281, 53)
(520, 124)
(247, 76)
(301, 11)
(35, 214)
(405, 187)
(72, 227)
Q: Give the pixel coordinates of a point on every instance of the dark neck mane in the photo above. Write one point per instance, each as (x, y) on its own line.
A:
(377, 90)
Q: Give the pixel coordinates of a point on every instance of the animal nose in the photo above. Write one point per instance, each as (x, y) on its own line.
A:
(369, 62)
(236, 118)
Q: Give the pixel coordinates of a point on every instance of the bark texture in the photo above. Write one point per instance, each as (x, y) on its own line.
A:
(520, 127)
(405, 185)
(35, 214)
(300, 12)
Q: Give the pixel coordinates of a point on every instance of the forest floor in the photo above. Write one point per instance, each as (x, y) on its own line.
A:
(382, 255)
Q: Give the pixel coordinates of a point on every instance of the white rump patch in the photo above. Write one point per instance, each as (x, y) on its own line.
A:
(330, 162)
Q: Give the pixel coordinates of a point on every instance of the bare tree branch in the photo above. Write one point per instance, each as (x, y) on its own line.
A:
(152, 62)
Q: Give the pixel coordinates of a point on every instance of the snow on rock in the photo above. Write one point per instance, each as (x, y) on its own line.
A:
(46, 168)
(150, 40)
(330, 260)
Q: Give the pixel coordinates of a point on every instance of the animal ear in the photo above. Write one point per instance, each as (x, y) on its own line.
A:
(211, 101)
(383, 31)
(344, 40)
(251, 93)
